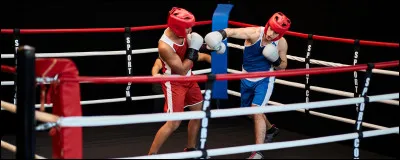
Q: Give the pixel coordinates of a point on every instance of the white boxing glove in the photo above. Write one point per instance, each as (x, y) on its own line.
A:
(195, 40)
(214, 41)
(222, 48)
(220, 51)
(271, 53)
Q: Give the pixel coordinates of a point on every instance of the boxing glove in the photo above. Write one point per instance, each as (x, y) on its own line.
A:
(271, 53)
(214, 41)
(194, 41)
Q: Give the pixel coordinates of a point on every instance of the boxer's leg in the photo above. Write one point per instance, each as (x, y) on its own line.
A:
(262, 93)
(265, 88)
(162, 135)
(174, 102)
(194, 100)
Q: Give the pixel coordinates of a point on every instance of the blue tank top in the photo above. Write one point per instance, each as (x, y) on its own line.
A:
(253, 59)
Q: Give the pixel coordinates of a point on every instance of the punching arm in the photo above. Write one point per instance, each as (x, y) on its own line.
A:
(242, 33)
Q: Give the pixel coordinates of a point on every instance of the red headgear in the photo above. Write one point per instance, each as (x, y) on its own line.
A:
(179, 20)
(279, 23)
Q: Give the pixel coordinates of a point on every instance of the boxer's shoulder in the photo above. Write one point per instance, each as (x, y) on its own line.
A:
(164, 38)
(164, 48)
(256, 33)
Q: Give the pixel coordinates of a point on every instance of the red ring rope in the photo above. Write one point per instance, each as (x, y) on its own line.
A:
(142, 28)
(8, 69)
(93, 30)
(203, 78)
(325, 38)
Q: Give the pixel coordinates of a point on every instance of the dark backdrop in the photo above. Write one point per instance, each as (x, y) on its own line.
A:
(361, 19)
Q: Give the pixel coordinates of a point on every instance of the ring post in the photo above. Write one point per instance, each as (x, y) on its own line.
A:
(219, 61)
(26, 103)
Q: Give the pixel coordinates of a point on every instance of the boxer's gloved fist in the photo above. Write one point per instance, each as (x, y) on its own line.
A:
(214, 41)
(222, 48)
(271, 53)
(195, 41)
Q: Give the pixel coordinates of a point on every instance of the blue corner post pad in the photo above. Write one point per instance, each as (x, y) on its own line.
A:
(219, 61)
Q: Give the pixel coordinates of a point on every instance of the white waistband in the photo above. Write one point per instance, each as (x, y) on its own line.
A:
(252, 79)
(189, 73)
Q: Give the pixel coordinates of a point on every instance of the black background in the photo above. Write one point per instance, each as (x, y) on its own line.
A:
(357, 19)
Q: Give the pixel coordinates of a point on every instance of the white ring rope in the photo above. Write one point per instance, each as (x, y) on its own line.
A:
(234, 93)
(323, 115)
(202, 71)
(324, 63)
(289, 107)
(12, 148)
(319, 89)
(270, 146)
(91, 121)
(330, 91)
(7, 83)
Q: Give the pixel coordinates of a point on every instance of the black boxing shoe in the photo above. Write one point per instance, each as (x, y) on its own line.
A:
(271, 134)
(189, 149)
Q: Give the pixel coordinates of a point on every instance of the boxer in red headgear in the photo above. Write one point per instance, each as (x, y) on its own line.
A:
(178, 49)
(264, 50)
(180, 20)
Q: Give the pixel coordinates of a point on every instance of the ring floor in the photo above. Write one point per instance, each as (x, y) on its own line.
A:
(135, 140)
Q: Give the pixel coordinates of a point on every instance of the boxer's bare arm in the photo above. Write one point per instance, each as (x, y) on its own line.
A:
(156, 67)
(173, 60)
(248, 33)
(204, 57)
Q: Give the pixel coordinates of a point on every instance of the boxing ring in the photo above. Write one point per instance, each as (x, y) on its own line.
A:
(66, 121)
